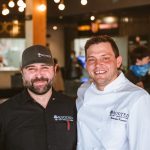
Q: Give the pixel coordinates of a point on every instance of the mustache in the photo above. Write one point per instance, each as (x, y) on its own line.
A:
(39, 79)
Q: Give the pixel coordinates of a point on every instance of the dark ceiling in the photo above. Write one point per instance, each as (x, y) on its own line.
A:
(75, 12)
(73, 7)
(137, 11)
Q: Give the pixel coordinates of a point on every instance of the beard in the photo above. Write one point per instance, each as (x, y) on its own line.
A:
(37, 89)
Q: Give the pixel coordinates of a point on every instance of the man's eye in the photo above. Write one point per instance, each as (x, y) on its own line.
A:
(91, 60)
(30, 69)
(45, 68)
(106, 58)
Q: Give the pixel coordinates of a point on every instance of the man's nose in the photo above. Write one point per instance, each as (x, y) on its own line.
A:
(38, 73)
(99, 62)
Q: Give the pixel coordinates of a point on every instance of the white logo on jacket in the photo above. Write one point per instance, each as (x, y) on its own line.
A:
(63, 118)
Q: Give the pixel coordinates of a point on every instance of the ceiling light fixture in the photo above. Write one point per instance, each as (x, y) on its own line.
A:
(5, 10)
(61, 6)
(42, 7)
(92, 18)
(21, 6)
(84, 2)
(57, 1)
(110, 19)
(125, 19)
(55, 28)
(11, 4)
(21, 9)
(20, 3)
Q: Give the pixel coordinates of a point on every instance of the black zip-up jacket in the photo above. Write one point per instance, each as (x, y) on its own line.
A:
(134, 79)
(26, 125)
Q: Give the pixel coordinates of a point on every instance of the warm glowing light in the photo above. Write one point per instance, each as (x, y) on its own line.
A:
(56, 1)
(5, 10)
(108, 26)
(11, 3)
(21, 9)
(110, 19)
(23, 5)
(61, 6)
(137, 39)
(15, 31)
(83, 2)
(55, 27)
(42, 7)
(20, 3)
(92, 18)
(126, 19)
(84, 28)
(15, 21)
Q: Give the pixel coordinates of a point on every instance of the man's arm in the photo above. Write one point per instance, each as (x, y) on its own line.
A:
(139, 124)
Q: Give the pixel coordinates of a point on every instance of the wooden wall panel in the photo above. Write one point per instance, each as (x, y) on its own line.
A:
(39, 23)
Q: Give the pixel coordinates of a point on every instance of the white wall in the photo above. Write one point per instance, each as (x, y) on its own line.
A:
(56, 45)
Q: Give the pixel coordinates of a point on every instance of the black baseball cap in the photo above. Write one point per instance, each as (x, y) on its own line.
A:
(36, 54)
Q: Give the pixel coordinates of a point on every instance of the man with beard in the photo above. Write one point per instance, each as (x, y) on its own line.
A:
(38, 118)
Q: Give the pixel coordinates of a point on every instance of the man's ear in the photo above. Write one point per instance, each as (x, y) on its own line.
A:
(56, 68)
(119, 61)
(21, 70)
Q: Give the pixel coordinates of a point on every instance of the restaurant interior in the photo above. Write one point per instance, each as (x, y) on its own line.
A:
(64, 26)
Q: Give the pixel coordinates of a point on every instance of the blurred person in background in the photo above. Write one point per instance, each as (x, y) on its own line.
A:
(58, 83)
(138, 72)
(75, 67)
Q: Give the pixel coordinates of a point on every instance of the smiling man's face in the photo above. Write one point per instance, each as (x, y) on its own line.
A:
(38, 77)
(102, 65)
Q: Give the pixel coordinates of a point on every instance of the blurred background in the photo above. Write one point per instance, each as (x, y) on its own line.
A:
(64, 26)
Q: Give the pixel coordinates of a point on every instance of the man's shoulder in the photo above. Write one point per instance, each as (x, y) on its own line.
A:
(12, 101)
(82, 89)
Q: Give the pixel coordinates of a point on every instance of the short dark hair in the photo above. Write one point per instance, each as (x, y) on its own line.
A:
(101, 39)
(139, 52)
